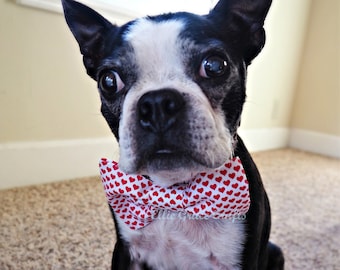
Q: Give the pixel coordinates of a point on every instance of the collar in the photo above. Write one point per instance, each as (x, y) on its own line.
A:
(220, 194)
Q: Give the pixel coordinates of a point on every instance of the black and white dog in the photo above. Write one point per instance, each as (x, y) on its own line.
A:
(172, 89)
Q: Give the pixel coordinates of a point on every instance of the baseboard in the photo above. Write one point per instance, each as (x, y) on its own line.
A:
(32, 163)
(265, 138)
(315, 142)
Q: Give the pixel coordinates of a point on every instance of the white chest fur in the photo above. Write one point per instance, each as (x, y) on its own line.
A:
(171, 243)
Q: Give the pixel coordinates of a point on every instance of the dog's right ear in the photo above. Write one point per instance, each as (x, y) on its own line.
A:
(90, 30)
(242, 21)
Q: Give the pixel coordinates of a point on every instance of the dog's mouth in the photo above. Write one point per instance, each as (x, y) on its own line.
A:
(174, 159)
(167, 159)
(165, 152)
(166, 166)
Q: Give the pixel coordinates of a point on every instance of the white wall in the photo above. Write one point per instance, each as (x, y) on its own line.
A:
(273, 76)
(316, 110)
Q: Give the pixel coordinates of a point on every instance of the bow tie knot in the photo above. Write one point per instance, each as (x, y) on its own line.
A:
(223, 193)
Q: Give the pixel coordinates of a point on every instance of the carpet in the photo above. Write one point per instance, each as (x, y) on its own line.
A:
(67, 225)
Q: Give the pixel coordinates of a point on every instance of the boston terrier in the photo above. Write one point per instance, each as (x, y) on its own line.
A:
(172, 88)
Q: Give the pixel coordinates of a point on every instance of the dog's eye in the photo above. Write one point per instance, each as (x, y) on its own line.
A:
(213, 66)
(110, 82)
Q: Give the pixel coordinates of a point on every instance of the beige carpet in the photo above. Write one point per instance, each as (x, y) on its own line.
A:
(67, 225)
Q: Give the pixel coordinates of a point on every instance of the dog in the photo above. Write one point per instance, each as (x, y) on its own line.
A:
(172, 88)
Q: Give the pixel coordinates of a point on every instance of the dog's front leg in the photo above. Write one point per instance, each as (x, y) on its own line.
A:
(121, 258)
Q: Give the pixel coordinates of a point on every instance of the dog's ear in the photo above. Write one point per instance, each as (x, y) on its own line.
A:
(90, 30)
(242, 22)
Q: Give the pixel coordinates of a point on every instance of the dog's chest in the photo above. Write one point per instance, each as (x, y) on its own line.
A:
(171, 243)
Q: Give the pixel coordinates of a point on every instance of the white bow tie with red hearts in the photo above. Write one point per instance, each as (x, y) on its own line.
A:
(220, 194)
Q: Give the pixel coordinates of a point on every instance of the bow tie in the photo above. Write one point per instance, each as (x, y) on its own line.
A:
(221, 194)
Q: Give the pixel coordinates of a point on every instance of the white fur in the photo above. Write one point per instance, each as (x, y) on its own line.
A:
(174, 242)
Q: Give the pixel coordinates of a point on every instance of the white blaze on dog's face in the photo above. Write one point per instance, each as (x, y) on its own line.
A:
(198, 139)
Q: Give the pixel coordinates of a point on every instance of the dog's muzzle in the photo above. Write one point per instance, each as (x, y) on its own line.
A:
(168, 133)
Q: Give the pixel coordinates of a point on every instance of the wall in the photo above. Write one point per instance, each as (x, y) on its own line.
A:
(273, 75)
(45, 93)
(50, 125)
(316, 111)
(51, 128)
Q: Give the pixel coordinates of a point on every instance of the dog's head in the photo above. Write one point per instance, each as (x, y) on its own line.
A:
(172, 86)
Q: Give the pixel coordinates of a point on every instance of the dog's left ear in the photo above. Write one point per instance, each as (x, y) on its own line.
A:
(90, 30)
(241, 21)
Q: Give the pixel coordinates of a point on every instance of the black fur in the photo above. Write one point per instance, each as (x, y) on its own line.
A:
(233, 27)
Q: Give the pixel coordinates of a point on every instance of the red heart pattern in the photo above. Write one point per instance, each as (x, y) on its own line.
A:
(220, 194)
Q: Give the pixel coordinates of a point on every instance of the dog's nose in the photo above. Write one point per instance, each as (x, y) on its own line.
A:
(160, 109)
